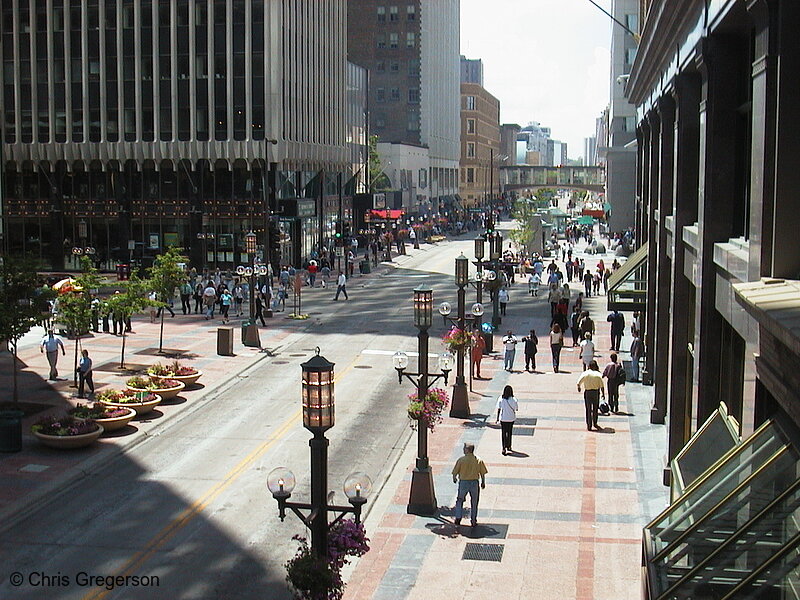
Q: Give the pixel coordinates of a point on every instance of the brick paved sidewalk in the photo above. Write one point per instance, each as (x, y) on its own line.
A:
(566, 509)
(32, 475)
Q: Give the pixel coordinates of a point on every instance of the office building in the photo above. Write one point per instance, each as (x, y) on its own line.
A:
(480, 145)
(471, 70)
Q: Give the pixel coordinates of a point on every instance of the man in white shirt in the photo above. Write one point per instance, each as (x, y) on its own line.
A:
(510, 345)
(341, 286)
(587, 350)
(51, 344)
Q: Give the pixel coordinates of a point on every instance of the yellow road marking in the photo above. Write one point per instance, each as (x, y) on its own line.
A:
(179, 522)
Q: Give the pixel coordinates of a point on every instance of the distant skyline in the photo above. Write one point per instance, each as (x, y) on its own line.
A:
(545, 60)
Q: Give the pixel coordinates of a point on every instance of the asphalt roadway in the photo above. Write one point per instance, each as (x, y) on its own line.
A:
(186, 513)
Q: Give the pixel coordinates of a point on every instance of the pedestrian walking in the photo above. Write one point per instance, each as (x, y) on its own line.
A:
(478, 347)
(341, 286)
(637, 351)
(587, 350)
(617, 320)
(209, 300)
(259, 313)
(586, 324)
(186, 294)
(85, 374)
(50, 345)
(556, 343)
(553, 296)
(507, 408)
(238, 298)
(587, 283)
(531, 343)
(533, 284)
(575, 320)
(198, 297)
(503, 297)
(225, 302)
(467, 472)
(312, 272)
(615, 377)
(510, 344)
(592, 382)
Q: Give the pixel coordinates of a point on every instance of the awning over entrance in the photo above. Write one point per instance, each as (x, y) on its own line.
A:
(386, 214)
(733, 533)
(627, 286)
(774, 303)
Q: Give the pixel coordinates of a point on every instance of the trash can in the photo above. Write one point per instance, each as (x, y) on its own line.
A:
(250, 336)
(364, 267)
(225, 341)
(11, 430)
(123, 271)
(488, 342)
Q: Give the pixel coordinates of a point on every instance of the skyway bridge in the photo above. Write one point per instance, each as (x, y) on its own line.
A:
(527, 177)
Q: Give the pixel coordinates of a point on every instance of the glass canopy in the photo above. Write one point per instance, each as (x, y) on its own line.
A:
(735, 531)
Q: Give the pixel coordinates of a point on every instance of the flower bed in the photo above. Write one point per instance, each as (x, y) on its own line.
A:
(110, 417)
(66, 431)
(140, 401)
(428, 409)
(175, 370)
(165, 387)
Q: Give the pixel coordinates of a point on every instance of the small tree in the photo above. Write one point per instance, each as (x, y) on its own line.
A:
(22, 305)
(75, 307)
(165, 275)
(378, 180)
(127, 302)
(524, 211)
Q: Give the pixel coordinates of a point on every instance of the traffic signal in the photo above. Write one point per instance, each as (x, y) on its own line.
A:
(338, 233)
(274, 241)
(347, 231)
(490, 226)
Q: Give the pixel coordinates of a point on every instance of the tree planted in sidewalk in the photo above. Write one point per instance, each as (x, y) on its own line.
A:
(523, 212)
(166, 274)
(23, 304)
(123, 304)
(76, 307)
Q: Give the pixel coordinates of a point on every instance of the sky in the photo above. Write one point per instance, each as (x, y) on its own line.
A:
(545, 60)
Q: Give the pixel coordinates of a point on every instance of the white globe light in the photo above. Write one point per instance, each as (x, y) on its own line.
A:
(240, 270)
(400, 360)
(477, 309)
(445, 308)
(479, 276)
(446, 361)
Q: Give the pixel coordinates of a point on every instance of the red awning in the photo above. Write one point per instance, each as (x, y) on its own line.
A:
(598, 213)
(387, 213)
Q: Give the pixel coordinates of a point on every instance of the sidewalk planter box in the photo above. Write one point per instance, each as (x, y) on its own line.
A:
(11, 430)
(68, 442)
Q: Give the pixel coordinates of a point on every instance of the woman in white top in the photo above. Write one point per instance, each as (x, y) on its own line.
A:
(502, 297)
(506, 415)
(587, 350)
(556, 343)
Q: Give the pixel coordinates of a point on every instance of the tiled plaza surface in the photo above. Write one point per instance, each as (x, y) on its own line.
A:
(567, 507)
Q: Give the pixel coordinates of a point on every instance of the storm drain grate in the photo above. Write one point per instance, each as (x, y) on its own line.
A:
(490, 552)
(526, 421)
(524, 431)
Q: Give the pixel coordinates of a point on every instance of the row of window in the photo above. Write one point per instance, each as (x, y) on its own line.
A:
(394, 13)
(412, 120)
(394, 67)
(394, 40)
(394, 95)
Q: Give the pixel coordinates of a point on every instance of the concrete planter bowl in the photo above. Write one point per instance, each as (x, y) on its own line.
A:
(187, 380)
(68, 442)
(165, 393)
(114, 423)
(140, 408)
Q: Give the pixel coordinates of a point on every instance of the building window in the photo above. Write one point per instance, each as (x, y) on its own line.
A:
(470, 149)
(393, 40)
(470, 125)
(380, 66)
(393, 13)
(380, 121)
(413, 119)
(632, 22)
(413, 95)
(411, 39)
(381, 14)
(413, 68)
(630, 55)
(470, 175)
(380, 94)
(395, 94)
(629, 124)
(394, 66)
(411, 12)
(380, 40)
(423, 178)
(470, 103)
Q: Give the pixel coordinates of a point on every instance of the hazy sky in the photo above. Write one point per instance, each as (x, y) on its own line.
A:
(545, 60)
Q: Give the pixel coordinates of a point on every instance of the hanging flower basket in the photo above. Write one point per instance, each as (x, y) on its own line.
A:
(428, 409)
(457, 339)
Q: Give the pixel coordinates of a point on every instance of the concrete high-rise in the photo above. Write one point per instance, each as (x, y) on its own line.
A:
(412, 52)
(471, 70)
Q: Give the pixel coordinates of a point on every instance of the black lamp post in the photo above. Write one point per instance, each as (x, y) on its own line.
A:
(496, 250)
(422, 498)
(460, 405)
(250, 336)
(480, 244)
(318, 417)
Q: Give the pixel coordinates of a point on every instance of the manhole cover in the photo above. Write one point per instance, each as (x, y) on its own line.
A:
(280, 362)
(362, 367)
(490, 552)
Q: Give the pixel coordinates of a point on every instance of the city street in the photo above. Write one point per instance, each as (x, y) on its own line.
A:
(190, 503)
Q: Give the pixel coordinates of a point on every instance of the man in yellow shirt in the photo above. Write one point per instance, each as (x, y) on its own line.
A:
(592, 381)
(466, 472)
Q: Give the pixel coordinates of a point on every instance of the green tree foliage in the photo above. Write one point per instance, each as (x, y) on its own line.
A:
(131, 299)
(378, 180)
(22, 305)
(165, 275)
(524, 211)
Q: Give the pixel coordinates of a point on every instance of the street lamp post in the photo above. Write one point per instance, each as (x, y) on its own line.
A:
(496, 249)
(480, 243)
(318, 417)
(422, 497)
(460, 405)
(251, 271)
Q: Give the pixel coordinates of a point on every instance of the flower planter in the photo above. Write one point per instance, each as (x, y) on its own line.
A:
(65, 442)
(187, 380)
(114, 423)
(165, 393)
(141, 408)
